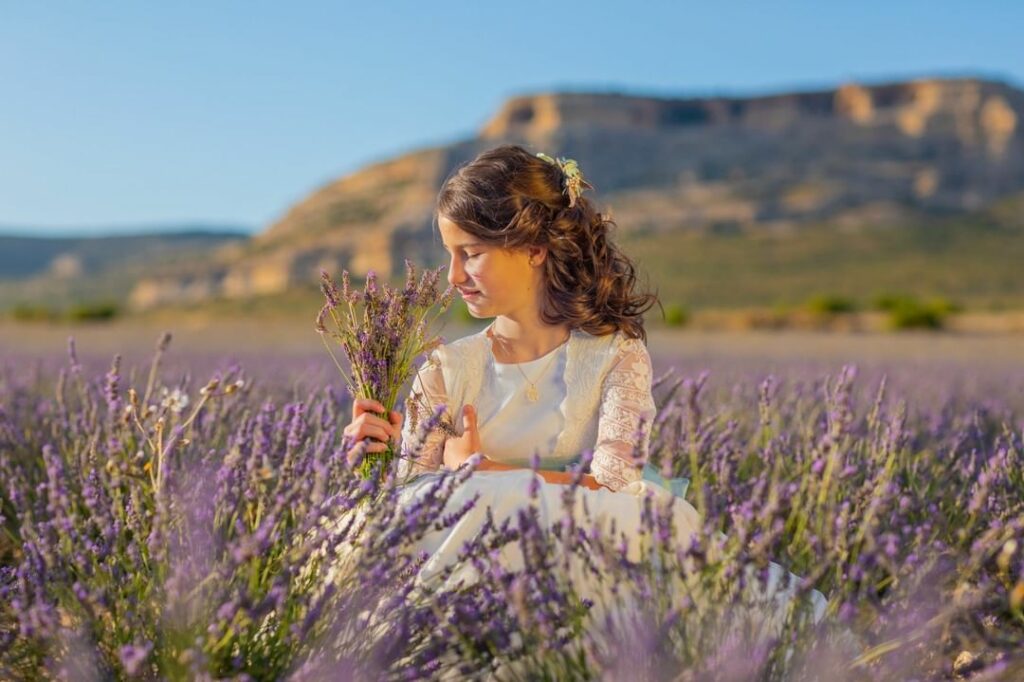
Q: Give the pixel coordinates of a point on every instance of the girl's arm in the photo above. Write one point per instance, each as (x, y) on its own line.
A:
(626, 415)
(457, 449)
(424, 454)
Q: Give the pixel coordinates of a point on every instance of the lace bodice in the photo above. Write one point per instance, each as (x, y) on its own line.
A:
(607, 405)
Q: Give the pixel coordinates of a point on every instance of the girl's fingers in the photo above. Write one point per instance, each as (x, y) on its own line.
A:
(468, 418)
(378, 432)
(369, 419)
(360, 405)
(364, 430)
(370, 446)
(367, 424)
(374, 420)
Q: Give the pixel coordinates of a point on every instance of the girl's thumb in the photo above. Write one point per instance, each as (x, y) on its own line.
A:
(468, 417)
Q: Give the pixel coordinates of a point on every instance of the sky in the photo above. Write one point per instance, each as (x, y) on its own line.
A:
(135, 116)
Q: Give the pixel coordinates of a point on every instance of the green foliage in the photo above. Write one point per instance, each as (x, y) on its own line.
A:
(956, 259)
(93, 312)
(906, 317)
(946, 306)
(909, 313)
(460, 312)
(887, 302)
(28, 312)
(80, 312)
(676, 315)
(831, 304)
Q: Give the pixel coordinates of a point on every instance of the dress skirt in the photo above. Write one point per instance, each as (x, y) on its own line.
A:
(507, 492)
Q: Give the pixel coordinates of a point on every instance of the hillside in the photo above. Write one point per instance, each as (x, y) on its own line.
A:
(727, 201)
(716, 176)
(61, 270)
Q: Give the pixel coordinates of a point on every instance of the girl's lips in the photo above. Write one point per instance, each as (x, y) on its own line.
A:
(468, 295)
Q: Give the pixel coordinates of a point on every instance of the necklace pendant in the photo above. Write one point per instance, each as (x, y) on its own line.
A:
(531, 394)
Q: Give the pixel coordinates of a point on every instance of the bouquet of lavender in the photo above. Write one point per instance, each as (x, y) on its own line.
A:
(382, 332)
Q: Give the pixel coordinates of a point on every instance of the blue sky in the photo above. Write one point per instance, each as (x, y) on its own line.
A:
(119, 115)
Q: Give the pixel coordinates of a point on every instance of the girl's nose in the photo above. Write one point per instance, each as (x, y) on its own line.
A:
(456, 274)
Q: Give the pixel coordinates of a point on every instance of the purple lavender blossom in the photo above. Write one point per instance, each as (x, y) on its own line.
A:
(909, 519)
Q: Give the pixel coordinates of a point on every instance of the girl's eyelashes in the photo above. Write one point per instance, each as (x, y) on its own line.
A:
(467, 254)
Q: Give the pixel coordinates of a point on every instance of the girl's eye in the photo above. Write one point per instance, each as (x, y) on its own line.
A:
(472, 255)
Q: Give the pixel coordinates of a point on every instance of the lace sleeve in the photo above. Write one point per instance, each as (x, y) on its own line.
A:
(427, 393)
(626, 405)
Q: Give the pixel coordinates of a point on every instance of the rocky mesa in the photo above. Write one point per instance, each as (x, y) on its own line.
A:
(854, 155)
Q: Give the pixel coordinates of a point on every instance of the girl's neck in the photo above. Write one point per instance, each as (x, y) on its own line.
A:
(514, 342)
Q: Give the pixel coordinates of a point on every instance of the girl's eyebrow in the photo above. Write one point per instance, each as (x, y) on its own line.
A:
(462, 246)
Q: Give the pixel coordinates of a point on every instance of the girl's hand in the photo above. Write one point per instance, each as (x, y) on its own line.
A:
(366, 424)
(457, 449)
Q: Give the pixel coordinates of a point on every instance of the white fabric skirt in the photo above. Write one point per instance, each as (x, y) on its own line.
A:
(506, 492)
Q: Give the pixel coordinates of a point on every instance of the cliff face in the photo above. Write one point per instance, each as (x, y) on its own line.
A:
(851, 156)
(350, 223)
(972, 111)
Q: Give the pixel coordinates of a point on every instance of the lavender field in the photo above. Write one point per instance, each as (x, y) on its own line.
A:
(188, 513)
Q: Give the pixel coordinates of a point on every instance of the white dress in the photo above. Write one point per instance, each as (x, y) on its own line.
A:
(594, 394)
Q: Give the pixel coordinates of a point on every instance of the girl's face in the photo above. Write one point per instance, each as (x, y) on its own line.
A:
(493, 281)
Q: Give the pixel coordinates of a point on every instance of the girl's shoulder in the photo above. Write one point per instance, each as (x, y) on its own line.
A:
(460, 353)
(463, 346)
(614, 344)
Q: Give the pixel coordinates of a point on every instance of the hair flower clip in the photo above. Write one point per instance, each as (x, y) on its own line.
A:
(573, 176)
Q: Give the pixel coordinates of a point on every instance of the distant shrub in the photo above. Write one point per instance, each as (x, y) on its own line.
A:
(676, 315)
(92, 312)
(831, 304)
(909, 312)
(912, 314)
(889, 302)
(28, 312)
(945, 306)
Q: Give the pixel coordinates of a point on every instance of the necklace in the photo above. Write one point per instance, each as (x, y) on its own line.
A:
(532, 394)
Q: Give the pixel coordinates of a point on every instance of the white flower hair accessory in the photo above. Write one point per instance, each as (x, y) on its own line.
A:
(572, 176)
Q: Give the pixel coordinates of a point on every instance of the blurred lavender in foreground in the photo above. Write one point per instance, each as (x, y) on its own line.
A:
(216, 531)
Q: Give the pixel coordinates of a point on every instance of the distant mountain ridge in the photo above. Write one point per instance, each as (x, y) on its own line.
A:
(60, 270)
(23, 254)
(854, 157)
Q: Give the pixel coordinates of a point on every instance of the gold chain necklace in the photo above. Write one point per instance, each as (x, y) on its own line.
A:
(532, 394)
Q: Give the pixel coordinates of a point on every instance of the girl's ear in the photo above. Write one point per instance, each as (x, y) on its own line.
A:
(536, 254)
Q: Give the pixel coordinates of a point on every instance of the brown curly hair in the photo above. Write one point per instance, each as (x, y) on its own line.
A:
(511, 198)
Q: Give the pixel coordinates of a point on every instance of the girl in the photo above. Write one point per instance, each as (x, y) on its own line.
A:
(561, 369)
(563, 366)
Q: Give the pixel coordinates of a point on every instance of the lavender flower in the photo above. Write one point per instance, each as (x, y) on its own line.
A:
(381, 333)
(253, 558)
